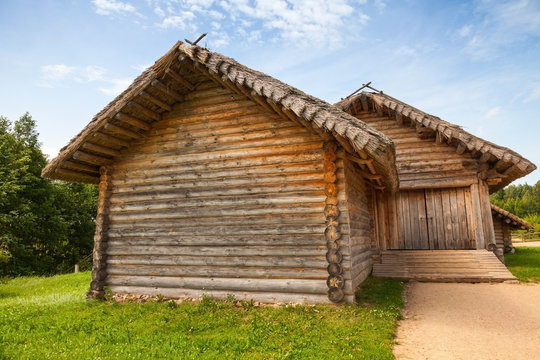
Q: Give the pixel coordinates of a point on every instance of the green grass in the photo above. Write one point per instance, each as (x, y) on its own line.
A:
(524, 264)
(49, 318)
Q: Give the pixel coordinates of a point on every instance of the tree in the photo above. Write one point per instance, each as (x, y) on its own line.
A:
(45, 226)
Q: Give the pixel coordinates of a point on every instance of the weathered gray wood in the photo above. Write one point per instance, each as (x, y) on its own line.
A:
(265, 297)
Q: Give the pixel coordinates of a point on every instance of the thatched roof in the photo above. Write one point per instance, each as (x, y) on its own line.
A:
(505, 165)
(163, 85)
(509, 218)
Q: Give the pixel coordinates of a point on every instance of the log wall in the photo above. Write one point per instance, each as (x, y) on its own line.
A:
(222, 197)
(422, 163)
(361, 225)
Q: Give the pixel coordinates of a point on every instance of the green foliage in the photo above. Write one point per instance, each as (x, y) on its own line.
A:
(45, 227)
(46, 318)
(521, 200)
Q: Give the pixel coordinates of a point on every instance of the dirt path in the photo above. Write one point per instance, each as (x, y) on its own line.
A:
(470, 321)
(526, 243)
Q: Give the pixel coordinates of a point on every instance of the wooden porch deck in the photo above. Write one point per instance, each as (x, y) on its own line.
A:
(442, 266)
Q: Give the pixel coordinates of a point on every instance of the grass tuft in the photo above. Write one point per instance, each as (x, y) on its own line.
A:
(50, 318)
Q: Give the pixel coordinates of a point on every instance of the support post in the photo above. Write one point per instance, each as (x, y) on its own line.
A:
(99, 265)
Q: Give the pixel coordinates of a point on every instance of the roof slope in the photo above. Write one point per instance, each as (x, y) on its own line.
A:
(509, 218)
(505, 165)
(157, 89)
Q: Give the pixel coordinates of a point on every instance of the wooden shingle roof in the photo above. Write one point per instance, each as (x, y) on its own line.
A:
(163, 85)
(509, 218)
(502, 164)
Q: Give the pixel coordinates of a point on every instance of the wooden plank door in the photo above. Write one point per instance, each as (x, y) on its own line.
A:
(413, 231)
(435, 219)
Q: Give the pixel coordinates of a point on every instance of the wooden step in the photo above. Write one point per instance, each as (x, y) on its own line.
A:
(442, 266)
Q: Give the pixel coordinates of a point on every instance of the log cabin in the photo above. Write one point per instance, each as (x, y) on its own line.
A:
(439, 225)
(218, 179)
(503, 223)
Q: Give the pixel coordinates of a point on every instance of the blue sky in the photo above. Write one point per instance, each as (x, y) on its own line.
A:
(473, 63)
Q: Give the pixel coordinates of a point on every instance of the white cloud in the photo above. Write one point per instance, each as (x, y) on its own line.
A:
(492, 112)
(56, 72)
(305, 22)
(465, 30)
(109, 7)
(61, 75)
(177, 21)
(380, 5)
(118, 85)
(504, 24)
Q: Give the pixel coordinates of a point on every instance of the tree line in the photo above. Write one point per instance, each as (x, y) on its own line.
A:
(522, 200)
(45, 226)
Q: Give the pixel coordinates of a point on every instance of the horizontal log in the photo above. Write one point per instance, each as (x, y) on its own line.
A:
(215, 271)
(148, 250)
(237, 230)
(91, 159)
(265, 297)
(261, 261)
(145, 111)
(118, 130)
(170, 221)
(145, 95)
(155, 176)
(306, 286)
(73, 165)
(76, 174)
(238, 107)
(241, 163)
(133, 121)
(202, 156)
(187, 146)
(111, 140)
(222, 201)
(269, 188)
(100, 149)
(219, 183)
(164, 238)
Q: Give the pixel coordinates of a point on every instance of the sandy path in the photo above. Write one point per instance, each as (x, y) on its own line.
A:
(526, 243)
(470, 321)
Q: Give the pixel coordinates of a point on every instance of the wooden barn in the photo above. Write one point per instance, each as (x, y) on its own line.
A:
(504, 222)
(217, 179)
(441, 215)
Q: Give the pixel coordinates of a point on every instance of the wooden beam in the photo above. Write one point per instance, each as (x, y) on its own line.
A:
(155, 101)
(138, 107)
(112, 139)
(360, 161)
(399, 118)
(460, 148)
(76, 174)
(365, 104)
(90, 158)
(164, 89)
(485, 157)
(178, 78)
(100, 149)
(133, 121)
(369, 176)
(122, 131)
(83, 167)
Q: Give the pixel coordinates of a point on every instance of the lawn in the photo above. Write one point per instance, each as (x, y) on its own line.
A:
(524, 264)
(49, 318)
